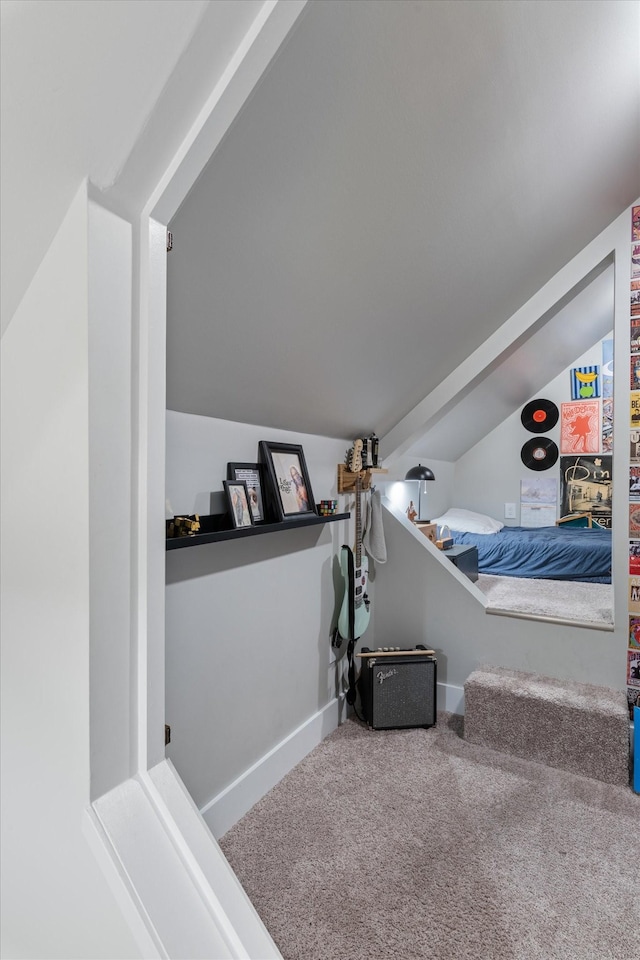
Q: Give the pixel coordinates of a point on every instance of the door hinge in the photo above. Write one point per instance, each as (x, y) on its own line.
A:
(169, 241)
(167, 734)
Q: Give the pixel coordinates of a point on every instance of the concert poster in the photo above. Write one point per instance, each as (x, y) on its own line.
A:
(586, 486)
(634, 483)
(634, 445)
(634, 373)
(634, 606)
(634, 335)
(635, 223)
(635, 261)
(607, 425)
(633, 668)
(580, 427)
(634, 520)
(634, 633)
(634, 408)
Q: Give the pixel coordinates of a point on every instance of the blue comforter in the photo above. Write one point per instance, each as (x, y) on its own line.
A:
(551, 553)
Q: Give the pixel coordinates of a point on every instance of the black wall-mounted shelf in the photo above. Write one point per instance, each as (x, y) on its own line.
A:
(211, 529)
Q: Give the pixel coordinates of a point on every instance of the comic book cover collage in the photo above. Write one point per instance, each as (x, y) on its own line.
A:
(633, 649)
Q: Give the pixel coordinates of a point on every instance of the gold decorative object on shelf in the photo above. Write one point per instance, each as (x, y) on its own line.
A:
(183, 526)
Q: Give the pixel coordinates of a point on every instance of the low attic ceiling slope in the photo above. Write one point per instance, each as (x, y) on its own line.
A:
(403, 179)
(525, 368)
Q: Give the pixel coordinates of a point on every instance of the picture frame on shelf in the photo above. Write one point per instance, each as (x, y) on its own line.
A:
(251, 474)
(238, 503)
(288, 480)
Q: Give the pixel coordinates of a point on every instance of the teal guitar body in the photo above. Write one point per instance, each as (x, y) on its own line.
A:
(354, 613)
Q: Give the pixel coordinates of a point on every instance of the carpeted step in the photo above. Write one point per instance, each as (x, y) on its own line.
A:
(577, 727)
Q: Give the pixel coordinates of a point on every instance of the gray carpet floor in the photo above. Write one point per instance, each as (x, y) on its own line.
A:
(417, 844)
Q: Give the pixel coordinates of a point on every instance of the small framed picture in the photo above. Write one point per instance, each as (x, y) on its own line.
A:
(251, 474)
(288, 478)
(238, 503)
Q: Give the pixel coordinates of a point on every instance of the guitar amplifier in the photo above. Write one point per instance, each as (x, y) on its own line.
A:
(398, 688)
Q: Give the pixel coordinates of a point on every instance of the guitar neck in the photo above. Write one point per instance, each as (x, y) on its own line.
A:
(358, 550)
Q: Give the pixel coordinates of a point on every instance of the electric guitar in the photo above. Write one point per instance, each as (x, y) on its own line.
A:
(354, 457)
(353, 619)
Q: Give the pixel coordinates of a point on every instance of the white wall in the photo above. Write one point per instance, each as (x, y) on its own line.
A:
(489, 474)
(55, 902)
(248, 622)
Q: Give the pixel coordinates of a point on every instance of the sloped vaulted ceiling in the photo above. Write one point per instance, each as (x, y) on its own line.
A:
(405, 176)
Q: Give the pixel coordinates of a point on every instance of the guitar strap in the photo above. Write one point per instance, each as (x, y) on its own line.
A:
(351, 692)
(351, 643)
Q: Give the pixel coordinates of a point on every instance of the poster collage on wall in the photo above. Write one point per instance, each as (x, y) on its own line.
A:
(586, 432)
(633, 646)
(586, 441)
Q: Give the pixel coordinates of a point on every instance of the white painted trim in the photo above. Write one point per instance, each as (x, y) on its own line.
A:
(261, 43)
(110, 574)
(450, 698)
(132, 910)
(235, 916)
(251, 59)
(132, 838)
(519, 615)
(225, 809)
(207, 863)
(180, 910)
(168, 874)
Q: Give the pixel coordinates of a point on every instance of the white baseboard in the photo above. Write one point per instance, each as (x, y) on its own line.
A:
(451, 698)
(234, 801)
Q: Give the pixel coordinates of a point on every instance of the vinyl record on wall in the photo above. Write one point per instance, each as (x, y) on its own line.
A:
(539, 415)
(539, 453)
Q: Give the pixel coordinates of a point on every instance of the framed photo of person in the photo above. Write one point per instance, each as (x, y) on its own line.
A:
(251, 474)
(288, 478)
(238, 503)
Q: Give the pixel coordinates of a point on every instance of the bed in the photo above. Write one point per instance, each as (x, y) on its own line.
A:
(561, 552)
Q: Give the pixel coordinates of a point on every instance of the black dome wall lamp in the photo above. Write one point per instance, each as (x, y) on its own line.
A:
(420, 473)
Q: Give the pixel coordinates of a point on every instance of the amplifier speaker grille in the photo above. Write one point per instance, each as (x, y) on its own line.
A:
(398, 692)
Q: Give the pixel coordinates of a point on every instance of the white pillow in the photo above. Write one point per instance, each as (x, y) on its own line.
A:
(466, 521)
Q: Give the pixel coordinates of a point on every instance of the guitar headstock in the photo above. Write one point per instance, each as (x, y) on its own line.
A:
(355, 457)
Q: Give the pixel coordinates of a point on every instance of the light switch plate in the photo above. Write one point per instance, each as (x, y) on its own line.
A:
(509, 511)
